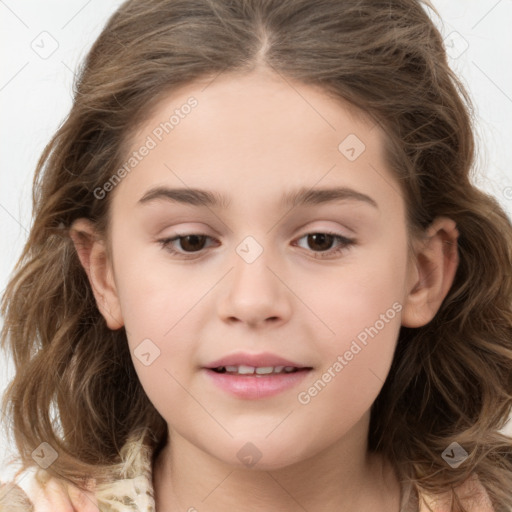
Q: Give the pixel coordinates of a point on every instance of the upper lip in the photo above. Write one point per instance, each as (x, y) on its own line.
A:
(264, 359)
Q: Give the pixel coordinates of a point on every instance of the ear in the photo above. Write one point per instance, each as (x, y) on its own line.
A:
(432, 273)
(92, 253)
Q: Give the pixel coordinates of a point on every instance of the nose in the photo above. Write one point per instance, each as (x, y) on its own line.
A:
(255, 294)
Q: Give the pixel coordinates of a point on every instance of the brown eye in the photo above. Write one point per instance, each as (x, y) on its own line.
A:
(191, 243)
(321, 244)
(320, 241)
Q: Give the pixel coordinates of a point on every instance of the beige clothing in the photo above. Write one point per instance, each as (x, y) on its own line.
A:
(32, 490)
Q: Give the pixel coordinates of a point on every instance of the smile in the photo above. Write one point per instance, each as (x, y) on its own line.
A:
(252, 370)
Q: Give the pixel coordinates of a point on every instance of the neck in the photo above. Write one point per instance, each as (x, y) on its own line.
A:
(343, 478)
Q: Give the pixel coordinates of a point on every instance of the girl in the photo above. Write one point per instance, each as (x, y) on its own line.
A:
(259, 276)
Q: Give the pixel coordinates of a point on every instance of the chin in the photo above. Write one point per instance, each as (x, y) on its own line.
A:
(263, 456)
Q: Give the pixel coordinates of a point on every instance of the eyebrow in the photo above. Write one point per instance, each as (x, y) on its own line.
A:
(301, 197)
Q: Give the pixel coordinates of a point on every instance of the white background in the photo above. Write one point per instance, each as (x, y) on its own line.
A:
(36, 92)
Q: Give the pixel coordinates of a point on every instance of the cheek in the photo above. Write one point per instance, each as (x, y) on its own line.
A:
(159, 305)
(366, 290)
(162, 349)
(150, 290)
(360, 310)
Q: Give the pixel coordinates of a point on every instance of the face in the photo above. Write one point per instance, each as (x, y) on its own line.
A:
(317, 284)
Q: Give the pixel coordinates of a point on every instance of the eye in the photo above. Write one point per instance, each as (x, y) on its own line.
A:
(322, 242)
(191, 243)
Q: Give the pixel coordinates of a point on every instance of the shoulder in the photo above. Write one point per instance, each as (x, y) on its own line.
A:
(13, 498)
(34, 490)
(471, 493)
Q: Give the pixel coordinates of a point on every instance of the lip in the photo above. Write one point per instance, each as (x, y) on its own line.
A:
(262, 359)
(253, 387)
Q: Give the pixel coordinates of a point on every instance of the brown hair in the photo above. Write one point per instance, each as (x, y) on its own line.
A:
(75, 385)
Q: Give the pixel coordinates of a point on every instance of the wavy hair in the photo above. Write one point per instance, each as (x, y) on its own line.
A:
(75, 385)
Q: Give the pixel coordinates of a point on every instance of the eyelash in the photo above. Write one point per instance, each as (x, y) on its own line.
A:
(346, 243)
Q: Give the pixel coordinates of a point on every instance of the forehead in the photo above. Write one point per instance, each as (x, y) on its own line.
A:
(256, 132)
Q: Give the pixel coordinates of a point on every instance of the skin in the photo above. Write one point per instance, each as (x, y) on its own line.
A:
(252, 138)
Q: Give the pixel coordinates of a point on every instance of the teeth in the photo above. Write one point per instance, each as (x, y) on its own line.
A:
(264, 370)
(245, 370)
(251, 370)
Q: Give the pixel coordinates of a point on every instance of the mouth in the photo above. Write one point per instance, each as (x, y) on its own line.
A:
(263, 363)
(247, 382)
(257, 371)
(251, 376)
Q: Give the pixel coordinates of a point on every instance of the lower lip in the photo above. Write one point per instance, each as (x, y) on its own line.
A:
(252, 387)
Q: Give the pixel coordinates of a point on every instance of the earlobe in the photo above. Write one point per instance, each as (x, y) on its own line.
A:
(92, 254)
(432, 273)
